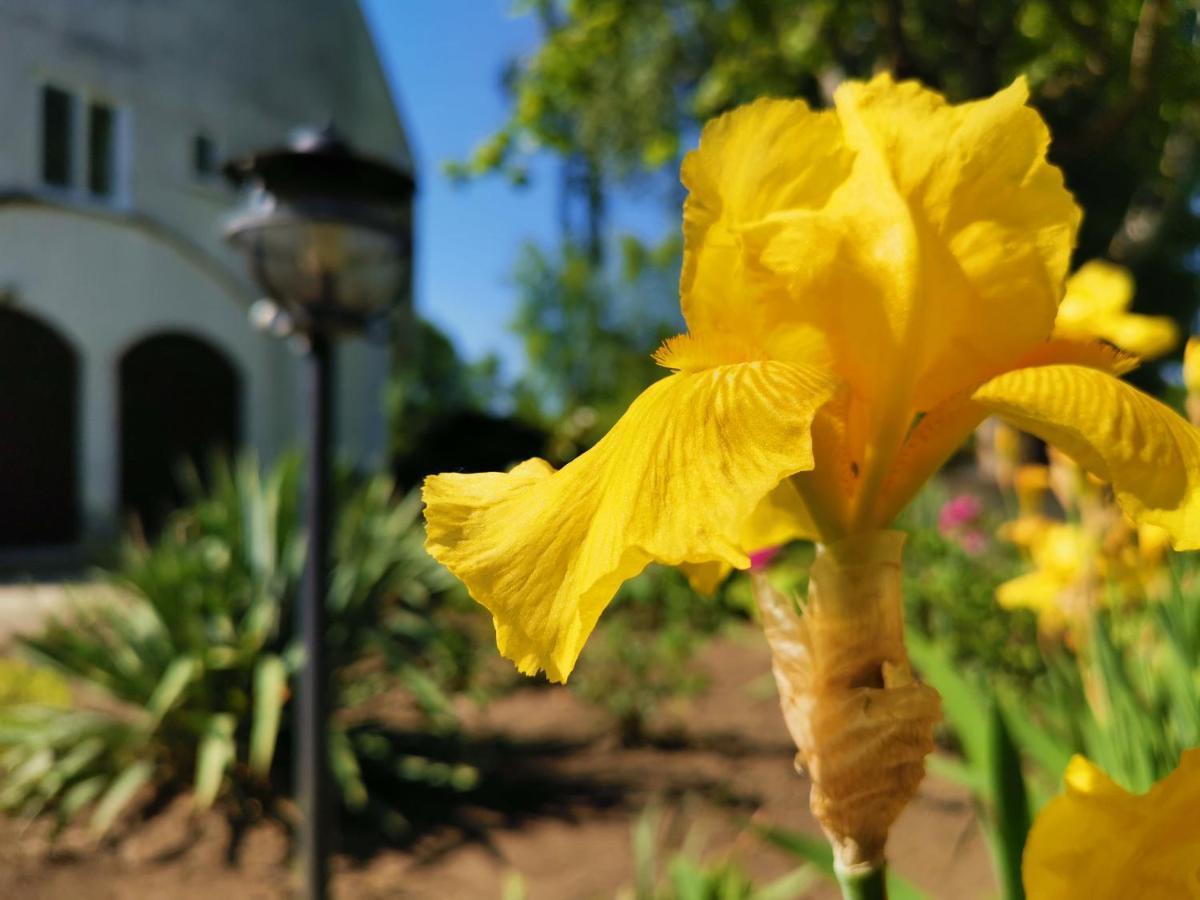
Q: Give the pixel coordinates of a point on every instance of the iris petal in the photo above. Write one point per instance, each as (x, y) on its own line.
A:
(1096, 306)
(1098, 840)
(1149, 454)
(675, 481)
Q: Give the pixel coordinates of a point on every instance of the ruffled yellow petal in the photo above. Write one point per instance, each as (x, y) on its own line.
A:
(1149, 454)
(926, 242)
(779, 518)
(1095, 306)
(903, 227)
(674, 481)
(1099, 841)
(943, 252)
(706, 577)
(759, 159)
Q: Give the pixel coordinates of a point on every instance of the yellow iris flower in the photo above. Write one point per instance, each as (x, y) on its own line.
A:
(1191, 378)
(862, 286)
(1191, 365)
(1097, 840)
(1098, 556)
(1067, 579)
(1096, 305)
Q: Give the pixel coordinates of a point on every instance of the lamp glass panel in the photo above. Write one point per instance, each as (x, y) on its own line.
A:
(305, 263)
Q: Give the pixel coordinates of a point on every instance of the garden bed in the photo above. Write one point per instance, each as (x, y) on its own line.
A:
(556, 805)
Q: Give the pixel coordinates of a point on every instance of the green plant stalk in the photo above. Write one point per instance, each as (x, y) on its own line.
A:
(863, 884)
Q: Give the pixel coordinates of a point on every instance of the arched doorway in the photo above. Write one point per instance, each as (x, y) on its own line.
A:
(39, 372)
(180, 401)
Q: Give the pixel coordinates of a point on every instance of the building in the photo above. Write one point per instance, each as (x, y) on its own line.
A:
(123, 333)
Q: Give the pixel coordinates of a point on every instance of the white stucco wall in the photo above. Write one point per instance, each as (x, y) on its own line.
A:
(94, 290)
(107, 273)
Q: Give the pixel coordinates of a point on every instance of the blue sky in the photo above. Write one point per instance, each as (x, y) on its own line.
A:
(444, 59)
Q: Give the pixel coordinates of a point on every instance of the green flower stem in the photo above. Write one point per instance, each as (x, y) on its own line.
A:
(863, 884)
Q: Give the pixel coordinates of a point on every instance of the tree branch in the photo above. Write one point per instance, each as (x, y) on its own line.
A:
(1143, 54)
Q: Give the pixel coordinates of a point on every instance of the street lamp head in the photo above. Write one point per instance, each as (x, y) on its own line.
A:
(326, 232)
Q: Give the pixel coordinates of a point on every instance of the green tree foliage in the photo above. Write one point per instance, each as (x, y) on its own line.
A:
(446, 414)
(618, 88)
(588, 335)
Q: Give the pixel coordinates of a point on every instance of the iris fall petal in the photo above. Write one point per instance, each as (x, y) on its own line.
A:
(674, 481)
(1149, 454)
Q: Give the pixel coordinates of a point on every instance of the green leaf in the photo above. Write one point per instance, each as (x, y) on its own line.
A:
(213, 757)
(346, 771)
(1010, 806)
(688, 880)
(79, 795)
(1047, 752)
(513, 887)
(814, 850)
(122, 790)
(961, 700)
(953, 769)
(170, 689)
(817, 851)
(789, 886)
(645, 873)
(23, 779)
(270, 693)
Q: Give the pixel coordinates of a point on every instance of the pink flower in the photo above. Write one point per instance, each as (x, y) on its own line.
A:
(760, 559)
(958, 520)
(959, 512)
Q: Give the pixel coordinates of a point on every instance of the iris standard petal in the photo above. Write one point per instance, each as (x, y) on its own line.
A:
(674, 481)
(941, 256)
(1149, 454)
(762, 158)
(1098, 840)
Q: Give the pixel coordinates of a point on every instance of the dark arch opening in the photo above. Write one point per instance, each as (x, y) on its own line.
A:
(39, 371)
(180, 403)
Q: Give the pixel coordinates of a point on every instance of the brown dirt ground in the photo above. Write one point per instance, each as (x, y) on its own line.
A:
(575, 794)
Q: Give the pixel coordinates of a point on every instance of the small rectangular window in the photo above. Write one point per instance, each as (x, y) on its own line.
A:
(57, 136)
(101, 152)
(204, 156)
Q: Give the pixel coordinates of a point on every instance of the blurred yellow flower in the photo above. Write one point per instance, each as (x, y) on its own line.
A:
(1096, 305)
(1191, 365)
(1098, 556)
(1031, 483)
(1065, 581)
(999, 451)
(1191, 378)
(1098, 841)
(862, 287)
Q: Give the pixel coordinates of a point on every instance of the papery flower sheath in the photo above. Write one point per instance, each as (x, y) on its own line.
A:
(862, 286)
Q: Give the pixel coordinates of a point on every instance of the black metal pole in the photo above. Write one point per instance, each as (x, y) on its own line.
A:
(313, 783)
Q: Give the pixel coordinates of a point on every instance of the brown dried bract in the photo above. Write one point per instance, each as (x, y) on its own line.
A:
(862, 724)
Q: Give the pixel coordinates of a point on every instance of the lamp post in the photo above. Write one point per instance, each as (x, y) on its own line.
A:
(327, 237)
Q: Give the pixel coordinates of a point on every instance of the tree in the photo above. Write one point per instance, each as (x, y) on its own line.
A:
(624, 84)
(444, 413)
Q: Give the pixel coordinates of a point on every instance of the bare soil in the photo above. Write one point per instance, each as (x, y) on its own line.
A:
(556, 808)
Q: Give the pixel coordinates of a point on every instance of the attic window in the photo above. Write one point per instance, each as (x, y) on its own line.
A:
(204, 156)
(101, 150)
(58, 138)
